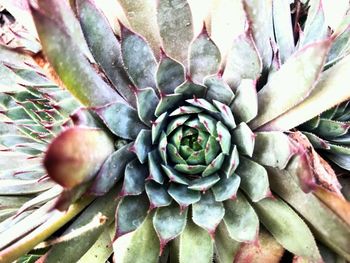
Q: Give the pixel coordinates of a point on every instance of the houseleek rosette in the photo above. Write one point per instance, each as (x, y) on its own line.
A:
(180, 140)
(329, 133)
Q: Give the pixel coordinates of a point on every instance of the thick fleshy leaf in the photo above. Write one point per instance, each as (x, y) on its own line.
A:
(215, 165)
(218, 90)
(104, 46)
(240, 219)
(330, 129)
(254, 179)
(144, 245)
(69, 159)
(170, 74)
(169, 222)
(112, 170)
(163, 142)
(131, 212)
(204, 183)
(138, 59)
(175, 26)
(266, 249)
(273, 149)
(231, 163)
(316, 28)
(71, 65)
(225, 114)
(174, 154)
(225, 247)
(195, 245)
(208, 213)
(212, 149)
(329, 228)
(245, 104)
(243, 61)
(209, 123)
(134, 178)
(282, 25)
(259, 15)
(167, 102)
(142, 16)
(204, 57)
(175, 176)
(224, 137)
(101, 210)
(226, 188)
(121, 119)
(175, 123)
(189, 89)
(157, 126)
(155, 172)
(143, 145)
(330, 90)
(157, 194)
(185, 110)
(183, 196)
(287, 228)
(147, 101)
(244, 139)
(65, 17)
(203, 104)
(274, 101)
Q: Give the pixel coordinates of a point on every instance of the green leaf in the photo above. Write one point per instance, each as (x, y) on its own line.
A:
(131, 212)
(167, 102)
(174, 176)
(143, 145)
(65, 17)
(241, 221)
(155, 172)
(195, 245)
(243, 61)
(218, 90)
(189, 89)
(147, 101)
(169, 222)
(273, 149)
(142, 16)
(224, 137)
(104, 46)
(226, 188)
(245, 105)
(204, 183)
(134, 178)
(121, 119)
(175, 26)
(170, 74)
(225, 114)
(69, 160)
(244, 139)
(330, 90)
(283, 29)
(328, 227)
(158, 126)
(274, 101)
(182, 195)
(112, 170)
(225, 247)
(330, 128)
(254, 179)
(231, 162)
(144, 245)
(157, 194)
(287, 228)
(204, 57)
(138, 59)
(316, 28)
(208, 213)
(259, 15)
(73, 249)
(71, 65)
(215, 165)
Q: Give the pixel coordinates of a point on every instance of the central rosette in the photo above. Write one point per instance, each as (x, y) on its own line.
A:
(195, 147)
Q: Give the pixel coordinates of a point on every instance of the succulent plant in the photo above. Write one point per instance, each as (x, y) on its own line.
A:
(329, 132)
(186, 142)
